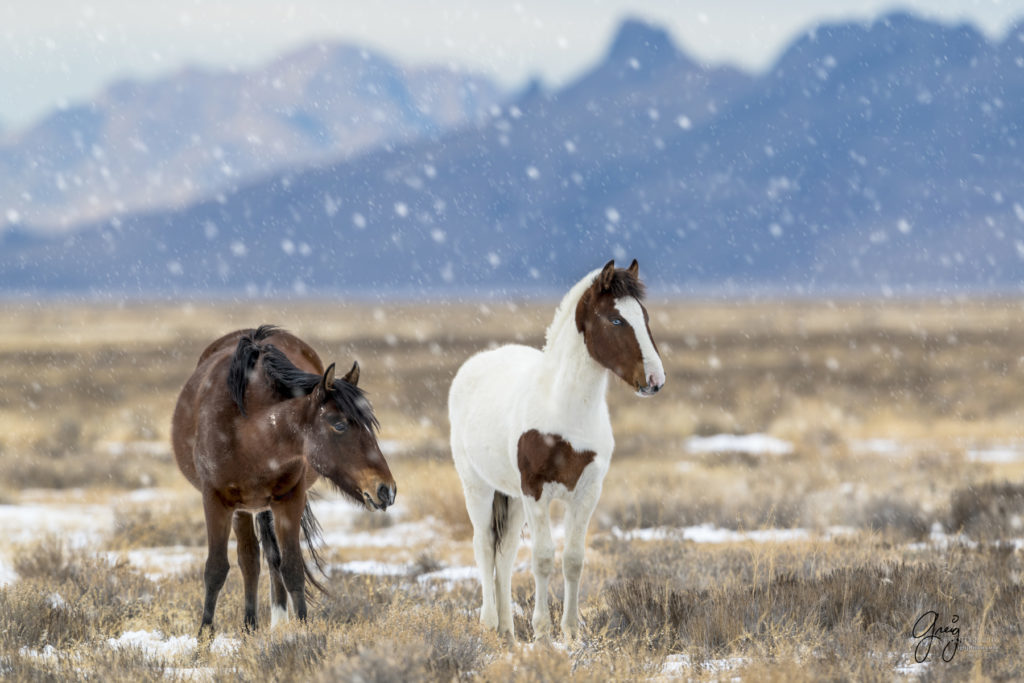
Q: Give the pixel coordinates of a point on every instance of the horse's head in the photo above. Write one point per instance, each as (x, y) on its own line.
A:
(615, 328)
(341, 444)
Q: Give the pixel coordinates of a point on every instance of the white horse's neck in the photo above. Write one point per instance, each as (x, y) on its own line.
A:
(574, 383)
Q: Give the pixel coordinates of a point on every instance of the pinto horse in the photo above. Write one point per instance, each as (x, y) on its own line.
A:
(255, 425)
(530, 426)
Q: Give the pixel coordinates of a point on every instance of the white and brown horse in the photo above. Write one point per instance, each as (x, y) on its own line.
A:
(529, 427)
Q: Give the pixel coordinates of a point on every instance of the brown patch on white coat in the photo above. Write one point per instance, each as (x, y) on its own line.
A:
(547, 458)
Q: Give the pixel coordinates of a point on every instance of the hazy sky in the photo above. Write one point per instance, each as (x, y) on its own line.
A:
(59, 51)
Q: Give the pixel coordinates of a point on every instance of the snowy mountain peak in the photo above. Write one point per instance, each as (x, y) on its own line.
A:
(638, 40)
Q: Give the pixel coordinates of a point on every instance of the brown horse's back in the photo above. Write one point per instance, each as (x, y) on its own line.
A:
(206, 391)
(292, 346)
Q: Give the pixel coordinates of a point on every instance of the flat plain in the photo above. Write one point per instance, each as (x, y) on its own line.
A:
(821, 487)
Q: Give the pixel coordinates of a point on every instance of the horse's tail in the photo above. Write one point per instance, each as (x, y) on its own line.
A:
(244, 361)
(268, 539)
(499, 519)
(311, 531)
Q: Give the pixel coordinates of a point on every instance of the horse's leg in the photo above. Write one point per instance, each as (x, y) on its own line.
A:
(272, 551)
(538, 516)
(218, 529)
(504, 559)
(287, 523)
(249, 562)
(577, 519)
(480, 505)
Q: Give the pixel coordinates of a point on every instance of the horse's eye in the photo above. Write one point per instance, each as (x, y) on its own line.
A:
(339, 426)
(616, 321)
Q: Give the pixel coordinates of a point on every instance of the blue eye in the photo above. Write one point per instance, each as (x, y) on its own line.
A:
(616, 321)
(340, 426)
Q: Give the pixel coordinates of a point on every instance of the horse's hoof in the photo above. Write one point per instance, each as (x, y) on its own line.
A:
(542, 637)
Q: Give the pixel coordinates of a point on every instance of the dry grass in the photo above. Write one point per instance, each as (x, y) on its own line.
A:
(93, 389)
(837, 612)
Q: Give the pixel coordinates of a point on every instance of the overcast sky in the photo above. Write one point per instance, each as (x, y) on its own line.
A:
(60, 51)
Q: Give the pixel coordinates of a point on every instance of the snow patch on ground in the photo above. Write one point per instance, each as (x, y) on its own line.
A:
(906, 666)
(49, 652)
(77, 524)
(707, 533)
(159, 563)
(155, 645)
(154, 448)
(879, 447)
(149, 495)
(404, 535)
(374, 568)
(7, 574)
(752, 444)
(678, 665)
(938, 538)
(995, 455)
(371, 567)
(451, 575)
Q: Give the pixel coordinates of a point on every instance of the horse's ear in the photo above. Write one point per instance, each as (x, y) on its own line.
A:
(634, 268)
(604, 280)
(328, 381)
(353, 375)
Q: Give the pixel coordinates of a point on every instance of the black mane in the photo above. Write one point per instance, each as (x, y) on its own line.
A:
(288, 381)
(244, 362)
(624, 283)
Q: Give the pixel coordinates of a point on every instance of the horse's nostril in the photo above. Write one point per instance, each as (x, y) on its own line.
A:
(384, 495)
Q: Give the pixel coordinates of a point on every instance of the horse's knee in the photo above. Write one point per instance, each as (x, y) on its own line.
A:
(293, 572)
(572, 565)
(216, 572)
(249, 563)
(543, 563)
(483, 541)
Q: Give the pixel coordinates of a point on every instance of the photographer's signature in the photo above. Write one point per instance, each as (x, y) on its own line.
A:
(927, 632)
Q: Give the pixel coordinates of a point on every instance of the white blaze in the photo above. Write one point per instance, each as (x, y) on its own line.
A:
(631, 311)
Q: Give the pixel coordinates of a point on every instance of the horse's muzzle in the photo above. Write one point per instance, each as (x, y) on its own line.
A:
(385, 497)
(655, 381)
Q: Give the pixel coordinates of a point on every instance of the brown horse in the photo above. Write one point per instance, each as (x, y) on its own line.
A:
(255, 425)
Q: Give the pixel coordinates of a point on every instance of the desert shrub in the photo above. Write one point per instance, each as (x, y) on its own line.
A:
(754, 512)
(426, 562)
(143, 526)
(879, 601)
(367, 520)
(287, 654)
(539, 664)
(381, 662)
(986, 511)
(82, 469)
(455, 642)
(64, 596)
(353, 598)
(886, 513)
(34, 617)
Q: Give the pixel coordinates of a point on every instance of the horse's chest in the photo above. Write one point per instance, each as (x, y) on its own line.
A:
(256, 487)
(545, 458)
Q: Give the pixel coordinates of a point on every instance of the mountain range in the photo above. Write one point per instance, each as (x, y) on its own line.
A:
(141, 145)
(870, 157)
